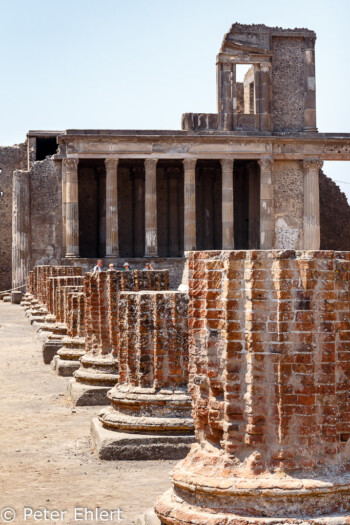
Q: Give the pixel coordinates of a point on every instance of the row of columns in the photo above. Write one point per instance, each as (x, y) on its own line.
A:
(267, 214)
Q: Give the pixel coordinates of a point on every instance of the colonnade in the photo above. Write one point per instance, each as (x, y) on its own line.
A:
(265, 238)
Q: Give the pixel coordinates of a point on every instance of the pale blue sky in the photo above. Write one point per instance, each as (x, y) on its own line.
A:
(141, 64)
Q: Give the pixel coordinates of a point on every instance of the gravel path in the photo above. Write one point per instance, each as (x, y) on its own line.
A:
(45, 454)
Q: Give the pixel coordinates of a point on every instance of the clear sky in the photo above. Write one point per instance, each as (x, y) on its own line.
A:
(140, 64)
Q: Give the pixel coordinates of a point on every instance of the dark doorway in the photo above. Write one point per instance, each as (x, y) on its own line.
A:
(170, 208)
(92, 208)
(246, 204)
(208, 205)
(131, 208)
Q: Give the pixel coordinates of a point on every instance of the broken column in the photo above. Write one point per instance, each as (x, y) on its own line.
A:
(269, 379)
(58, 329)
(98, 372)
(150, 412)
(67, 359)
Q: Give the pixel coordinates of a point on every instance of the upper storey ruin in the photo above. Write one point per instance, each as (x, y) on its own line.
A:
(278, 93)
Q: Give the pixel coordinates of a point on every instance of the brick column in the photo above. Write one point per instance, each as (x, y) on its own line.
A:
(269, 379)
(72, 210)
(112, 245)
(309, 87)
(267, 205)
(151, 241)
(227, 205)
(190, 204)
(151, 397)
(311, 204)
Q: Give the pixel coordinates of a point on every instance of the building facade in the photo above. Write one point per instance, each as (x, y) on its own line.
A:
(244, 178)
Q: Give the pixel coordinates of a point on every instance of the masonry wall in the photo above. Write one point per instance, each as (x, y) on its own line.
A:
(11, 158)
(46, 212)
(289, 204)
(334, 216)
(288, 83)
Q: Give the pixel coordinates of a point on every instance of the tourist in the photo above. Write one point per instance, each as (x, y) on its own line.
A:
(110, 267)
(126, 267)
(98, 267)
(148, 266)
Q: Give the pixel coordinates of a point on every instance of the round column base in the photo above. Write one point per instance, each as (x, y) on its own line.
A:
(210, 487)
(97, 370)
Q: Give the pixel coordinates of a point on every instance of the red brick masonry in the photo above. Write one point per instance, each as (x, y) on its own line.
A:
(269, 336)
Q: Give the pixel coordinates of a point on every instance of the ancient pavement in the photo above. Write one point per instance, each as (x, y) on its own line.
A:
(45, 454)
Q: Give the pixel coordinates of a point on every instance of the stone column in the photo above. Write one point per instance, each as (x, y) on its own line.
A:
(20, 228)
(227, 205)
(267, 205)
(64, 209)
(112, 246)
(309, 87)
(72, 209)
(226, 92)
(190, 204)
(311, 204)
(264, 95)
(151, 242)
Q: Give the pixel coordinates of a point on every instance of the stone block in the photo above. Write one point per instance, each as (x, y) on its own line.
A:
(114, 445)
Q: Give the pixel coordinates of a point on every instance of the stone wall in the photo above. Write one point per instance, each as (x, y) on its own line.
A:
(334, 216)
(11, 158)
(288, 83)
(46, 212)
(289, 204)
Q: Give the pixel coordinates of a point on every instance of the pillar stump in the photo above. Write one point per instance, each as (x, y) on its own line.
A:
(98, 371)
(269, 379)
(67, 359)
(150, 412)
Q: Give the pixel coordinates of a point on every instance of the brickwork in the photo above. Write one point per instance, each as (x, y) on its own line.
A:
(102, 333)
(269, 380)
(76, 314)
(11, 158)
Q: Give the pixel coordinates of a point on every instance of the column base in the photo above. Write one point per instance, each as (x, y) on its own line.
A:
(67, 360)
(50, 348)
(64, 368)
(210, 487)
(72, 256)
(114, 445)
(87, 395)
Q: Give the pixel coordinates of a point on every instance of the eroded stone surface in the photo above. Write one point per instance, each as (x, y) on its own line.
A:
(269, 379)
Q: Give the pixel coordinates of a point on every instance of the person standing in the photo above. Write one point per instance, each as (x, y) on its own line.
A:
(98, 267)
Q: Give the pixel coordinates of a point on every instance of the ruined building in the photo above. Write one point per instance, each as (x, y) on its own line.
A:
(244, 178)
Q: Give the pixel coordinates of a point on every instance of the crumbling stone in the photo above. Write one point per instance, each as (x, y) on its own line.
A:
(150, 413)
(269, 380)
(98, 372)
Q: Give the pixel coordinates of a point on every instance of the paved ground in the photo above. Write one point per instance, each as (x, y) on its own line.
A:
(45, 453)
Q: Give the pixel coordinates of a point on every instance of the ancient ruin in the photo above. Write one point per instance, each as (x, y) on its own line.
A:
(242, 330)
(269, 378)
